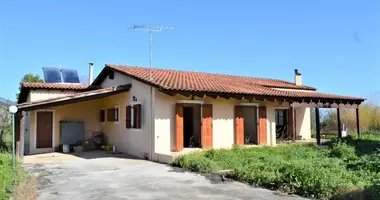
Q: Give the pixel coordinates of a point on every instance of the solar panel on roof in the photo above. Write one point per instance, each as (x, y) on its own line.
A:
(52, 75)
(70, 76)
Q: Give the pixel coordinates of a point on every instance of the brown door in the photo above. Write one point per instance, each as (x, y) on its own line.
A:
(179, 127)
(239, 125)
(44, 129)
(206, 126)
(262, 125)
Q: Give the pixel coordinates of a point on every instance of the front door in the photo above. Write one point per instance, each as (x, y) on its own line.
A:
(44, 130)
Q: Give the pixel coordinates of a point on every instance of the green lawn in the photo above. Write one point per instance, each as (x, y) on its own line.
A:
(345, 167)
(6, 181)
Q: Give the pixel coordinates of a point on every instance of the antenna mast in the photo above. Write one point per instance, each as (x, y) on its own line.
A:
(150, 29)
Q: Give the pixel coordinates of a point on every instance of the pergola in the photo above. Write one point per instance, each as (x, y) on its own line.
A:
(295, 99)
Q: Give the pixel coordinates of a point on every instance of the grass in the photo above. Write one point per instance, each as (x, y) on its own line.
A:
(346, 167)
(7, 181)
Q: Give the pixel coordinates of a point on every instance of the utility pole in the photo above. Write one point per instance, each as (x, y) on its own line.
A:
(150, 29)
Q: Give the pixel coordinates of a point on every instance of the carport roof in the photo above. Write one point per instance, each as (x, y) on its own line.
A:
(73, 98)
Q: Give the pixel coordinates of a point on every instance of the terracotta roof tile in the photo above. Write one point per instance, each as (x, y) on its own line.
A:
(220, 83)
(185, 79)
(61, 86)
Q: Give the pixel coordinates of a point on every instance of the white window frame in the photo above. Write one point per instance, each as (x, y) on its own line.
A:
(132, 114)
(35, 128)
(118, 114)
(105, 115)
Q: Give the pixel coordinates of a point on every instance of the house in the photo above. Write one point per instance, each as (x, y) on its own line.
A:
(161, 113)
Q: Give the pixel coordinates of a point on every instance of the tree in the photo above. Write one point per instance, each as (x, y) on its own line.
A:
(31, 79)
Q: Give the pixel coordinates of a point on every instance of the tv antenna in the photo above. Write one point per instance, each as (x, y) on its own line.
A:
(150, 29)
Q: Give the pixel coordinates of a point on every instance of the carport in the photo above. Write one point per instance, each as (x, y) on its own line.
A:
(47, 104)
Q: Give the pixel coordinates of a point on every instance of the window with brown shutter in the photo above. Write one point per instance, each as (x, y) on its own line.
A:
(116, 113)
(102, 116)
(133, 116)
(137, 116)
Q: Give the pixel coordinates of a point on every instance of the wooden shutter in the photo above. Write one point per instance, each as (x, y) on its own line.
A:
(102, 116)
(128, 117)
(111, 114)
(206, 126)
(137, 116)
(262, 125)
(179, 127)
(239, 125)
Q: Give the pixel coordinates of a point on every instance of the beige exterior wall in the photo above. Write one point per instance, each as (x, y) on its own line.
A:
(41, 94)
(303, 124)
(132, 141)
(223, 121)
(83, 111)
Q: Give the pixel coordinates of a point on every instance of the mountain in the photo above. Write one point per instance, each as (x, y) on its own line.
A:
(5, 101)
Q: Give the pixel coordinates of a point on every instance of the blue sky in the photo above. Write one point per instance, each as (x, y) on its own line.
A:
(334, 44)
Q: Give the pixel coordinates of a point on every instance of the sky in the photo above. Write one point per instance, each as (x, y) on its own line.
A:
(334, 44)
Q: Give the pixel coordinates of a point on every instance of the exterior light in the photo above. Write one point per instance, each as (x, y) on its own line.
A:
(12, 109)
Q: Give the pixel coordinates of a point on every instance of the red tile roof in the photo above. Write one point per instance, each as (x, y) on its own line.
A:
(60, 86)
(219, 83)
(176, 79)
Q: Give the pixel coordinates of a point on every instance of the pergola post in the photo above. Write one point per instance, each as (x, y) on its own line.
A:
(293, 123)
(317, 125)
(357, 121)
(339, 123)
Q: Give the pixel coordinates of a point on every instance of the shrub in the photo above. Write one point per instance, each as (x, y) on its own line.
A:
(195, 163)
(7, 180)
(5, 137)
(305, 170)
(343, 151)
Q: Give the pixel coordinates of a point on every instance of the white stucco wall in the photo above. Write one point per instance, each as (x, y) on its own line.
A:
(303, 124)
(41, 94)
(223, 121)
(132, 141)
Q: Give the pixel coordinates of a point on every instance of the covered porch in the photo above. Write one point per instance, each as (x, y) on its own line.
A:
(285, 116)
(43, 126)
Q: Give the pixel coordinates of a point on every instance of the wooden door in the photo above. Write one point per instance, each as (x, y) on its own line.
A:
(44, 130)
(239, 125)
(179, 127)
(262, 125)
(206, 126)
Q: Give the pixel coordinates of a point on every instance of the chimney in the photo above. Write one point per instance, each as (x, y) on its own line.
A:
(90, 72)
(297, 77)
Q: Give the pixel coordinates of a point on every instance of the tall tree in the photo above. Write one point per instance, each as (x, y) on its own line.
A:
(29, 78)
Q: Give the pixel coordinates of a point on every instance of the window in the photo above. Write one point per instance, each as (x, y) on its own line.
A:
(280, 117)
(113, 114)
(102, 115)
(133, 116)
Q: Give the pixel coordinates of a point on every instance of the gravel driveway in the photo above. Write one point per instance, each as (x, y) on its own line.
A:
(100, 176)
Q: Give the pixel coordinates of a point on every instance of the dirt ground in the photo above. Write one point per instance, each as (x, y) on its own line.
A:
(96, 175)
